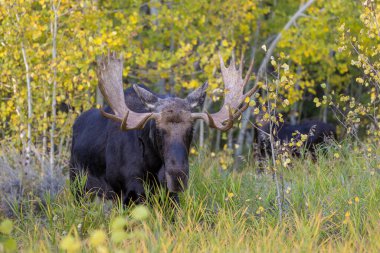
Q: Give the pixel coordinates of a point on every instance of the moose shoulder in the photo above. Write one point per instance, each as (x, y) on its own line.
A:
(143, 137)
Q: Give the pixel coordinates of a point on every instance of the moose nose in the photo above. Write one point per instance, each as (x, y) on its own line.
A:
(176, 180)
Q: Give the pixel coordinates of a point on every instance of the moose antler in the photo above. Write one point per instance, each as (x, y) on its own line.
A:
(110, 73)
(234, 96)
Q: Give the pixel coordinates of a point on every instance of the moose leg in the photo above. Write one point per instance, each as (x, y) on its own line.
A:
(134, 192)
(98, 186)
(174, 198)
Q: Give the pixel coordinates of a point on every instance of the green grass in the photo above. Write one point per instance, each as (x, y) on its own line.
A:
(332, 205)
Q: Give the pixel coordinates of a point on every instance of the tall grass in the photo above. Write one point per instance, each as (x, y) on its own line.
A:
(332, 205)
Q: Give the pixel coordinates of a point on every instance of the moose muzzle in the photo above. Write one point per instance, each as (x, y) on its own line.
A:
(176, 168)
(176, 181)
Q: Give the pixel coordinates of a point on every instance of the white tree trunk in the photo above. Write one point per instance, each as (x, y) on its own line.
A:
(44, 139)
(54, 27)
(294, 112)
(30, 108)
(230, 139)
(201, 133)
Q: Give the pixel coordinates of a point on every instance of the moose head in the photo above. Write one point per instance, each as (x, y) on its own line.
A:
(174, 117)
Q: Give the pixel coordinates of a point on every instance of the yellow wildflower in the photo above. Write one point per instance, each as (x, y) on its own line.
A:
(260, 210)
(346, 217)
(229, 195)
(193, 151)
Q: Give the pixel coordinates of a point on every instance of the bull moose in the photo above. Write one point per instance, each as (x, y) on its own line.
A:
(143, 137)
(317, 133)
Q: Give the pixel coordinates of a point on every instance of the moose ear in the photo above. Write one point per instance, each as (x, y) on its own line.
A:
(147, 97)
(197, 97)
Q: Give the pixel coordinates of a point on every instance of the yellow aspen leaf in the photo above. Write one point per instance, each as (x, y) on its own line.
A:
(285, 67)
(133, 19)
(359, 80)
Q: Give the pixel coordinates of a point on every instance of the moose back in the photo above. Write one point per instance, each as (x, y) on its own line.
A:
(317, 133)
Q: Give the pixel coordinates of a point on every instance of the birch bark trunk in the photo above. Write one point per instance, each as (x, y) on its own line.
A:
(54, 28)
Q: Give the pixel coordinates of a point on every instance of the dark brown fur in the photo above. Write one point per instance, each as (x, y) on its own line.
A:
(121, 162)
